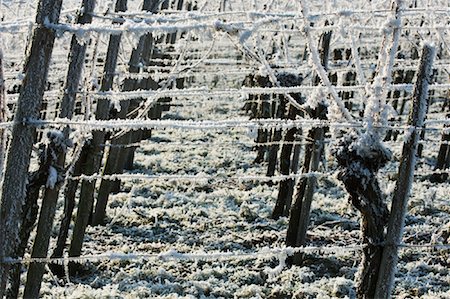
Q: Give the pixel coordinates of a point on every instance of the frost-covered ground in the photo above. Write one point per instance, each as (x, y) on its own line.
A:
(229, 216)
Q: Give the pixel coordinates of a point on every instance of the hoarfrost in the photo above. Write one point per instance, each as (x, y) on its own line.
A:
(52, 178)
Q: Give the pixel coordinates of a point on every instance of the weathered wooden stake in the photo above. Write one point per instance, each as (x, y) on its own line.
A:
(300, 210)
(69, 205)
(51, 193)
(94, 152)
(56, 149)
(19, 153)
(116, 157)
(405, 177)
(29, 216)
(285, 190)
(277, 135)
(3, 117)
(76, 58)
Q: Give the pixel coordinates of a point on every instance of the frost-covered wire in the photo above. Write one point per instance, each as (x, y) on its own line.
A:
(280, 124)
(265, 253)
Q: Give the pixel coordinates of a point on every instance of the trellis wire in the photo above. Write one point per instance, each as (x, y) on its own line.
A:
(130, 124)
(264, 253)
(152, 28)
(249, 144)
(315, 15)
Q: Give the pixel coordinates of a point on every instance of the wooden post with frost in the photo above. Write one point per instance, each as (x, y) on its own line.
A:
(58, 145)
(286, 187)
(405, 177)
(94, 151)
(56, 151)
(116, 158)
(3, 117)
(19, 153)
(77, 56)
(301, 206)
(443, 158)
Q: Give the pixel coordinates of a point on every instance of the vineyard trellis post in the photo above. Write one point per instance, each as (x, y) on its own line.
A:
(3, 116)
(28, 216)
(117, 154)
(76, 59)
(260, 106)
(275, 137)
(94, 150)
(150, 52)
(399, 77)
(19, 152)
(285, 189)
(301, 206)
(405, 176)
(59, 141)
(55, 157)
(443, 158)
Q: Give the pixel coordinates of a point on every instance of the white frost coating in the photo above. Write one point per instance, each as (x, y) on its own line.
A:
(173, 254)
(377, 109)
(408, 133)
(315, 99)
(424, 92)
(59, 140)
(132, 124)
(52, 178)
(272, 273)
(319, 68)
(201, 178)
(198, 178)
(208, 92)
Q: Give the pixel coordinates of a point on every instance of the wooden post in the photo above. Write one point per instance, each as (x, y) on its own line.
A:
(116, 157)
(56, 149)
(303, 196)
(3, 117)
(173, 36)
(51, 193)
(76, 61)
(69, 205)
(422, 133)
(443, 158)
(405, 177)
(263, 109)
(305, 211)
(19, 153)
(114, 162)
(148, 54)
(94, 152)
(284, 198)
(28, 216)
(277, 135)
(398, 78)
